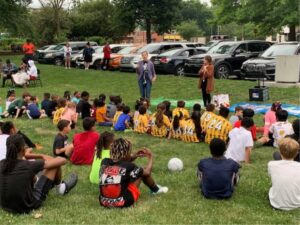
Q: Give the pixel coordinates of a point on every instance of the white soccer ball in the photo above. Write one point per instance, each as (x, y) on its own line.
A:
(175, 164)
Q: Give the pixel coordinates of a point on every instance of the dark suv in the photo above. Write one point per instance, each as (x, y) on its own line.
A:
(56, 55)
(228, 57)
(264, 66)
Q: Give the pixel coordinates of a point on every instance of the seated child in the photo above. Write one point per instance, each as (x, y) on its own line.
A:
(285, 176)
(60, 145)
(103, 152)
(278, 130)
(207, 116)
(17, 107)
(141, 122)
(240, 142)
(123, 121)
(84, 143)
(70, 114)
(250, 114)
(94, 108)
(119, 111)
(67, 95)
(10, 97)
(295, 136)
(102, 97)
(218, 126)
(238, 114)
(112, 106)
(146, 102)
(270, 117)
(177, 126)
(101, 116)
(45, 104)
(192, 131)
(136, 107)
(160, 123)
(52, 106)
(20, 190)
(61, 104)
(168, 111)
(83, 108)
(197, 108)
(218, 175)
(120, 178)
(33, 110)
(76, 97)
(180, 107)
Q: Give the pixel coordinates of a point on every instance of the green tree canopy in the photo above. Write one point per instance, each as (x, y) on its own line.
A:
(189, 29)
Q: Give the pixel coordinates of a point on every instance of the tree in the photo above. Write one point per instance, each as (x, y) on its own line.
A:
(162, 14)
(13, 13)
(195, 10)
(189, 29)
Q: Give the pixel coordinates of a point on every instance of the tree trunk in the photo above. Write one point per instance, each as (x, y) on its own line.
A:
(148, 31)
(292, 34)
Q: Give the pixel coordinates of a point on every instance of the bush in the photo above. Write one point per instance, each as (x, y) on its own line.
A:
(7, 43)
(100, 40)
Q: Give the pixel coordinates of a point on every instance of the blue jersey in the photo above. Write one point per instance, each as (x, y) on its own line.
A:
(120, 124)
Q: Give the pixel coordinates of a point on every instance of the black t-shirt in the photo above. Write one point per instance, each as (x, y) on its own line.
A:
(60, 141)
(114, 180)
(85, 109)
(51, 108)
(16, 187)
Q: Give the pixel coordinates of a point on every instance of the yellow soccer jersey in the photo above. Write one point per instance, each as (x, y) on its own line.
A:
(218, 127)
(177, 134)
(160, 131)
(206, 118)
(57, 115)
(189, 132)
(185, 112)
(116, 117)
(141, 123)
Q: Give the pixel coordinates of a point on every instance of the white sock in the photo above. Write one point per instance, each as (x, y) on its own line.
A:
(61, 188)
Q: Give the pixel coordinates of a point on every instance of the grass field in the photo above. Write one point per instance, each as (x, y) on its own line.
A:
(183, 204)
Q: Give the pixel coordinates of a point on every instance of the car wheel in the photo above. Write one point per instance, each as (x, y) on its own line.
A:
(97, 65)
(222, 71)
(179, 70)
(58, 62)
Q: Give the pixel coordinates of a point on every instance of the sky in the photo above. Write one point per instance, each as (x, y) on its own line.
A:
(36, 4)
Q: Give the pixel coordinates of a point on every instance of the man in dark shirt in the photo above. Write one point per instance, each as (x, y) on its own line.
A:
(20, 190)
(217, 175)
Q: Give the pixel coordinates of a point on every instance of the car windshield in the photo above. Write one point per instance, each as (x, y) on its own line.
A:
(126, 50)
(169, 53)
(210, 44)
(58, 47)
(151, 48)
(45, 47)
(222, 48)
(275, 50)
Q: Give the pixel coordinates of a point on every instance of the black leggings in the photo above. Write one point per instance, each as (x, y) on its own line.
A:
(105, 64)
(206, 96)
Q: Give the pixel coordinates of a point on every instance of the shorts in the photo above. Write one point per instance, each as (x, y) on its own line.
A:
(32, 78)
(41, 189)
(88, 58)
(135, 192)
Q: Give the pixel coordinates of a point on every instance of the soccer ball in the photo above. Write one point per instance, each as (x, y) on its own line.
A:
(175, 164)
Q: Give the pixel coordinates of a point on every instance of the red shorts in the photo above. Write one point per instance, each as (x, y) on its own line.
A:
(134, 191)
(32, 78)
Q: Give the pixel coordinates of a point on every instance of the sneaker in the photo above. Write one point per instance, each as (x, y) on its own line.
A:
(71, 182)
(161, 190)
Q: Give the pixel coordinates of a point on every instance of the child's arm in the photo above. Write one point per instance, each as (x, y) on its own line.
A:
(247, 155)
(17, 113)
(106, 118)
(148, 168)
(127, 124)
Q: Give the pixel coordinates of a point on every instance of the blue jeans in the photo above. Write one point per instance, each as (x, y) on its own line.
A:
(145, 89)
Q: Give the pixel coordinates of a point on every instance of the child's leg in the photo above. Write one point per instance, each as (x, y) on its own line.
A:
(155, 188)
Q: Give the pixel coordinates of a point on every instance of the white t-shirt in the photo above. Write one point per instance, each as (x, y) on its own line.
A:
(3, 138)
(285, 191)
(280, 130)
(240, 138)
(67, 51)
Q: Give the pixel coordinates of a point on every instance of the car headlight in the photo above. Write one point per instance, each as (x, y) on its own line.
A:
(48, 55)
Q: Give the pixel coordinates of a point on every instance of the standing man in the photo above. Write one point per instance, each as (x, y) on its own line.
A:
(28, 49)
(107, 52)
(88, 55)
(146, 75)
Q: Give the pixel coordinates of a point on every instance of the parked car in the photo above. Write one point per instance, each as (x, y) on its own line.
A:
(115, 58)
(43, 49)
(264, 66)
(56, 55)
(172, 62)
(129, 62)
(208, 45)
(99, 55)
(228, 57)
(76, 56)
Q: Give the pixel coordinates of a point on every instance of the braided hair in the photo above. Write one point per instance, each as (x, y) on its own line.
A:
(159, 118)
(15, 144)
(104, 142)
(120, 149)
(196, 119)
(176, 120)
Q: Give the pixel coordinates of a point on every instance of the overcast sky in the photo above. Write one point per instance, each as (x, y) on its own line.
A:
(36, 4)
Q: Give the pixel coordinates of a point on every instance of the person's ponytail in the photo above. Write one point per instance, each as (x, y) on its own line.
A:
(159, 119)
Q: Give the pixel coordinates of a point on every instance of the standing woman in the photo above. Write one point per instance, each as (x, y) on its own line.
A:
(88, 55)
(67, 54)
(146, 75)
(206, 81)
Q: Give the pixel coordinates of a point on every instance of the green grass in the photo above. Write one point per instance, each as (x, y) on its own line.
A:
(183, 204)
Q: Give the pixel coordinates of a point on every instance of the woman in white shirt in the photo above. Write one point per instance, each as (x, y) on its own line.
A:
(67, 54)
